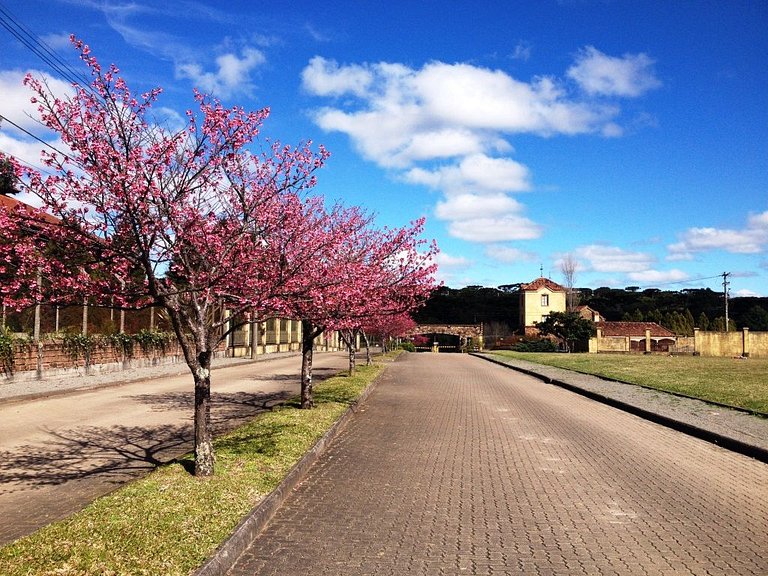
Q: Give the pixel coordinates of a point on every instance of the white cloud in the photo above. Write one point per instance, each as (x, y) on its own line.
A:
(522, 51)
(495, 228)
(602, 258)
(232, 75)
(658, 276)
(453, 262)
(463, 109)
(57, 41)
(746, 294)
(753, 239)
(598, 74)
(446, 126)
(325, 78)
(15, 103)
(508, 254)
(449, 267)
(472, 206)
(477, 172)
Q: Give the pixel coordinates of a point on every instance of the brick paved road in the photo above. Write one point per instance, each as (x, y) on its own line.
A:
(459, 466)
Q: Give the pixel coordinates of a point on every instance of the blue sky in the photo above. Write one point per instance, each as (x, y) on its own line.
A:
(630, 135)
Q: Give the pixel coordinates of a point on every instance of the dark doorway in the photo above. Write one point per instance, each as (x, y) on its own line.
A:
(444, 342)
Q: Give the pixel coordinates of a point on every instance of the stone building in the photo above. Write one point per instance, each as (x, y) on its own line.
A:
(538, 299)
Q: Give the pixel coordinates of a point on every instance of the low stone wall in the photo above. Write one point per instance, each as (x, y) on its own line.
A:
(609, 344)
(741, 343)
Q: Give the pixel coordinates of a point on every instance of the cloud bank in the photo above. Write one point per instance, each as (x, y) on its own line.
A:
(448, 127)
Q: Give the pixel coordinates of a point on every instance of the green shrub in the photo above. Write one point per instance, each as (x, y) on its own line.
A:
(150, 340)
(121, 341)
(6, 351)
(80, 345)
(542, 345)
(408, 347)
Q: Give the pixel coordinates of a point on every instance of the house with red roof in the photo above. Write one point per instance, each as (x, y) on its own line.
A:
(538, 299)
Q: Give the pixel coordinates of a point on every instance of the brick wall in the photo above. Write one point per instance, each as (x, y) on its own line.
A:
(56, 359)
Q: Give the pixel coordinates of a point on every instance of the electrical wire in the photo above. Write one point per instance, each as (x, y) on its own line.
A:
(38, 47)
(28, 133)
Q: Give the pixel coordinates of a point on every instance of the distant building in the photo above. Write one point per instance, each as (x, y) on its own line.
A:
(587, 313)
(634, 337)
(538, 299)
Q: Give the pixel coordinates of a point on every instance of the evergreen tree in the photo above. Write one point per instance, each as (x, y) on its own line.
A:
(756, 319)
(568, 326)
(703, 322)
(690, 323)
(718, 325)
(655, 315)
(7, 178)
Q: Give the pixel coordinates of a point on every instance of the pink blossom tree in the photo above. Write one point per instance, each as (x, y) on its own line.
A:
(146, 217)
(322, 258)
(387, 328)
(341, 272)
(395, 275)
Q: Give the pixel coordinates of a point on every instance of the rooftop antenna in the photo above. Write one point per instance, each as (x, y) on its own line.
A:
(541, 270)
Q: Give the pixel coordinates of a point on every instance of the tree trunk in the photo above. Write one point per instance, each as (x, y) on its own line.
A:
(204, 457)
(368, 360)
(308, 333)
(349, 339)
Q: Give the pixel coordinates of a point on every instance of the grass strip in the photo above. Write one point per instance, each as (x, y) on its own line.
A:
(736, 382)
(169, 522)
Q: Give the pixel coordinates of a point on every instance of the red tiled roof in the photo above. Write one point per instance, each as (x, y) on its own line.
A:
(634, 329)
(11, 203)
(542, 283)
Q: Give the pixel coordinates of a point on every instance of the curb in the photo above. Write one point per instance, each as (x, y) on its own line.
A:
(249, 527)
(721, 440)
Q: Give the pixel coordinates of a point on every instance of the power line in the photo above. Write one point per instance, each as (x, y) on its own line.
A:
(688, 281)
(38, 47)
(28, 133)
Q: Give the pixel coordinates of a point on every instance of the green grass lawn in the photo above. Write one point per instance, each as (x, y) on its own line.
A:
(737, 382)
(169, 522)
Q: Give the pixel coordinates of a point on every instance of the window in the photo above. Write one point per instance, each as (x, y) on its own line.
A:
(545, 299)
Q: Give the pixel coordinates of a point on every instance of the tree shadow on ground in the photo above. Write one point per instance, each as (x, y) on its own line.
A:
(120, 453)
(114, 455)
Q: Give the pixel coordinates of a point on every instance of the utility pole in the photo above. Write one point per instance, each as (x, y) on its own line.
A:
(725, 296)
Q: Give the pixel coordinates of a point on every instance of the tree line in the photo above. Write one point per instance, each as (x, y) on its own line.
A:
(680, 311)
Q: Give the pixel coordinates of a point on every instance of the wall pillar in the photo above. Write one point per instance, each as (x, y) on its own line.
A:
(648, 340)
(745, 343)
(696, 337)
(276, 322)
(598, 336)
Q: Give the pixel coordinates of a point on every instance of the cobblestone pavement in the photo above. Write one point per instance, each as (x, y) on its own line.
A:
(735, 429)
(455, 465)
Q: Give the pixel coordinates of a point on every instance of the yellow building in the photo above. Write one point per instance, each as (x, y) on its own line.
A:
(538, 299)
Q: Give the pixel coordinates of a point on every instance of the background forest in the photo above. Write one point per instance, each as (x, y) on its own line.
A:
(680, 311)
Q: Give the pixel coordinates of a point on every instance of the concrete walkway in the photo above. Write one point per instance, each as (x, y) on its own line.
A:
(456, 465)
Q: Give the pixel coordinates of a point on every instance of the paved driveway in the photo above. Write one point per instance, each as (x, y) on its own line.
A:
(58, 454)
(458, 466)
